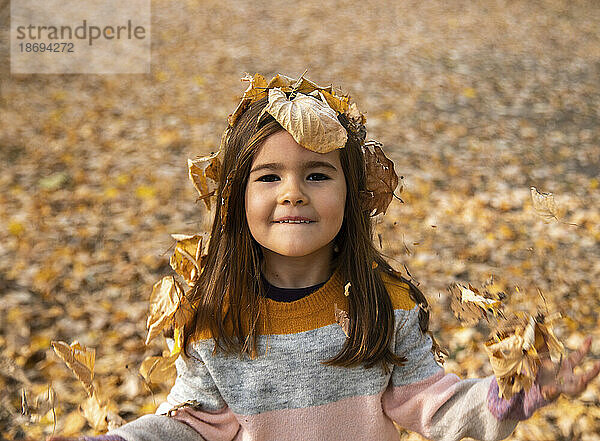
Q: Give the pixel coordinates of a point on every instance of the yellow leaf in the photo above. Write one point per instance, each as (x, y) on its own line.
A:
(186, 259)
(159, 369)
(16, 228)
(469, 92)
(168, 307)
(145, 192)
(80, 360)
(201, 169)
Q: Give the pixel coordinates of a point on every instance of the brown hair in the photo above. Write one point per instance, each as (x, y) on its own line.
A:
(230, 289)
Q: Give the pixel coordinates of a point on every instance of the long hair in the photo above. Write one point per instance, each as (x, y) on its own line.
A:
(229, 295)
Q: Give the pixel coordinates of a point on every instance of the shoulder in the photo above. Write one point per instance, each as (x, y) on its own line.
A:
(398, 290)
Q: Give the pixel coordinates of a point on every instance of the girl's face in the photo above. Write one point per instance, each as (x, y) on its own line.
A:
(295, 198)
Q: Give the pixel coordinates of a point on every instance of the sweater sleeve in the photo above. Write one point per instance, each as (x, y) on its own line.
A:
(421, 397)
(206, 417)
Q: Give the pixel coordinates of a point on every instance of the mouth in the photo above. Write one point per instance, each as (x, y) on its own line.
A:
(293, 220)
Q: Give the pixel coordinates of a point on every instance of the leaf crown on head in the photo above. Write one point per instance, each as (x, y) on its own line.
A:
(308, 112)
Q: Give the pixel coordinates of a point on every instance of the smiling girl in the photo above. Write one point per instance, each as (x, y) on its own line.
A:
(301, 329)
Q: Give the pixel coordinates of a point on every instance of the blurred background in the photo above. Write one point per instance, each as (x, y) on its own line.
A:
(474, 101)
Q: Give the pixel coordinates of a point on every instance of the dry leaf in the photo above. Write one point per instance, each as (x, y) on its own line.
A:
(204, 173)
(514, 349)
(347, 289)
(169, 307)
(187, 257)
(42, 405)
(469, 305)
(342, 318)
(312, 123)
(101, 414)
(80, 360)
(159, 369)
(382, 180)
(543, 204)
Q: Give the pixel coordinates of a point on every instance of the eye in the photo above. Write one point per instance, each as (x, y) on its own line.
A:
(268, 178)
(317, 177)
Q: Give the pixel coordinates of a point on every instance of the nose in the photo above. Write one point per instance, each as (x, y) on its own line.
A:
(292, 193)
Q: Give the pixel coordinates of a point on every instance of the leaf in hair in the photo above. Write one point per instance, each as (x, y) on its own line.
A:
(514, 349)
(382, 180)
(187, 259)
(255, 91)
(469, 305)
(342, 318)
(80, 360)
(204, 173)
(169, 307)
(310, 121)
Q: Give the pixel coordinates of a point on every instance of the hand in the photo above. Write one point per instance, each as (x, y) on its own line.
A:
(555, 379)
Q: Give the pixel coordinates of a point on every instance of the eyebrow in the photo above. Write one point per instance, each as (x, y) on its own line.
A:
(276, 166)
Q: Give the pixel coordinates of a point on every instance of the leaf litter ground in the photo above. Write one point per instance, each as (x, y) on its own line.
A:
(475, 104)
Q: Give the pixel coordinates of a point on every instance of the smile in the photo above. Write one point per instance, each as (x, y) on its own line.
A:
(293, 222)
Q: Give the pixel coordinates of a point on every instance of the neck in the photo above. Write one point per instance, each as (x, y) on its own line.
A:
(297, 272)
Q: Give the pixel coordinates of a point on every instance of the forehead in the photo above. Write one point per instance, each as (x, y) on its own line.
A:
(282, 148)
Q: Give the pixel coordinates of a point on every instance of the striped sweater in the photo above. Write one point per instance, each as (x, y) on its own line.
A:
(287, 394)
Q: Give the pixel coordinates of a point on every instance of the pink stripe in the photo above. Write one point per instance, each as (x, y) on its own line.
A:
(360, 416)
(218, 426)
(413, 406)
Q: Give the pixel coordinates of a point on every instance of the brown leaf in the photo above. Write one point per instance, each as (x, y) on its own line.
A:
(204, 173)
(159, 369)
(469, 305)
(186, 260)
(312, 123)
(514, 349)
(382, 180)
(342, 318)
(169, 307)
(80, 360)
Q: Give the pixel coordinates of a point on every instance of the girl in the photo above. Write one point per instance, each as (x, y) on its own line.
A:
(301, 330)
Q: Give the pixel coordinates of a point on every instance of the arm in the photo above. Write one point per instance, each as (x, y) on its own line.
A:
(209, 418)
(421, 397)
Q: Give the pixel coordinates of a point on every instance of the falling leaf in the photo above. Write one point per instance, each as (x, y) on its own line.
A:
(169, 307)
(347, 289)
(342, 318)
(382, 180)
(186, 260)
(312, 123)
(543, 204)
(514, 349)
(469, 305)
(42, 405)
(80, 360)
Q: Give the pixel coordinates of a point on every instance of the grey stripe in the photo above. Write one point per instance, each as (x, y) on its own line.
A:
(415, 346)
(289, 374)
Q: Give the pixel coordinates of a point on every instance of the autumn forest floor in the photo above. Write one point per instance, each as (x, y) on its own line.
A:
(474, 101)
